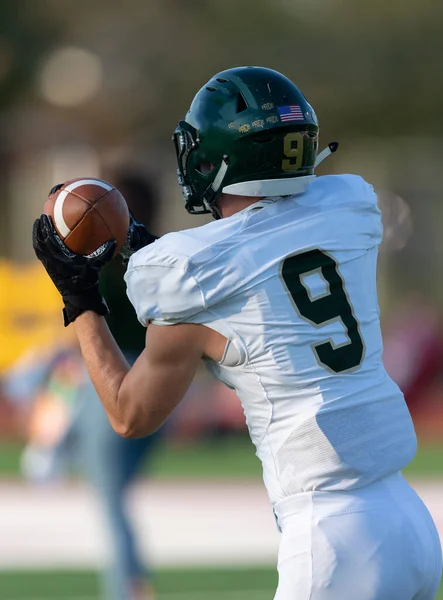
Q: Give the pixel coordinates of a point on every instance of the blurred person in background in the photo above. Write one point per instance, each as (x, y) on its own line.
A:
(110, 461)
(413, 332)
(67, 422)
(413, 357)
(279, 296)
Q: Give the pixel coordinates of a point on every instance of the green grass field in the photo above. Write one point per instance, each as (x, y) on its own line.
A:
(224, 458)
(190, 584)
(207, 584)
(221, 459)
(235, 458)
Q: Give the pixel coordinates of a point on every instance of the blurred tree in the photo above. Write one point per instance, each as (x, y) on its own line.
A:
(371, 69)
(21, 45)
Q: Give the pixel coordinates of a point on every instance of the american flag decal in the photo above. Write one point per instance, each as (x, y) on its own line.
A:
(292, 112)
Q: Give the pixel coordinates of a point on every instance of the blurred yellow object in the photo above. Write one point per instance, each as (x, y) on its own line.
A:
(30, 311)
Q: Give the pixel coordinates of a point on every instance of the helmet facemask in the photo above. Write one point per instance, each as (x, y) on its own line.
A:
(199, 199)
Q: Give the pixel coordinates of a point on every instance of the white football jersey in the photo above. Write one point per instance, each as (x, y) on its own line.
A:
(291, 283)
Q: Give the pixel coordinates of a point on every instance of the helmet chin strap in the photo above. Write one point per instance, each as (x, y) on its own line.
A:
(330, 149)
(218, 180)
(212, 190)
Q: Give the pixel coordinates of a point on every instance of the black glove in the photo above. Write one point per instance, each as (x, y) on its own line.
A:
(76, 277)
(138, 237)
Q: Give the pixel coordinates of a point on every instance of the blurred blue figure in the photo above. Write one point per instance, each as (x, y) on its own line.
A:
(69, 424)
(109, 461)
(68, 428)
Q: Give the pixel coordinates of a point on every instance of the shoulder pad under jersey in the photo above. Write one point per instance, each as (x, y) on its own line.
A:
(159, 284)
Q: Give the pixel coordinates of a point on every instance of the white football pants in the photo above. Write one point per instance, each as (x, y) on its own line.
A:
(375, 543)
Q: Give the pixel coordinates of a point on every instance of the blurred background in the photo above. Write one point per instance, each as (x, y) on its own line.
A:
(96, 89)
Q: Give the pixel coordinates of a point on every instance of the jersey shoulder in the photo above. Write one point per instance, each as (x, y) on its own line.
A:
(161, 280)
(349, 208)
(343, 190)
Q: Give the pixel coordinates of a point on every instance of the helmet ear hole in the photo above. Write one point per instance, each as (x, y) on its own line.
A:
(241, 103)
(205, 167)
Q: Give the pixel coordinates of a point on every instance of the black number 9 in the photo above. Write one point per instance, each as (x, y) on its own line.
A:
(325, 309)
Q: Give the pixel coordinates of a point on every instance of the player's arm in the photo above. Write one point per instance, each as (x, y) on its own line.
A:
(138, 400)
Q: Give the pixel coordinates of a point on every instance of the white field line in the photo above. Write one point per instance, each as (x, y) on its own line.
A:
(178, 524)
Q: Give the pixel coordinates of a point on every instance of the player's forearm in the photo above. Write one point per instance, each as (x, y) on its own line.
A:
(106, 365)
(138, 400)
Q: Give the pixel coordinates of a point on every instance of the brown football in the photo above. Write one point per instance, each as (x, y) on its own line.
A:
(88, 212)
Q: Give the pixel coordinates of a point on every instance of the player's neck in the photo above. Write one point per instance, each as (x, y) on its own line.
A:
(229, 204)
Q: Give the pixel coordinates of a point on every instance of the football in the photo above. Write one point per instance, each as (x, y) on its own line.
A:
(87, 213)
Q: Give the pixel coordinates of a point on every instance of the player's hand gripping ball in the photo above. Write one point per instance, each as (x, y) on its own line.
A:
(85, 225)
(87, 213)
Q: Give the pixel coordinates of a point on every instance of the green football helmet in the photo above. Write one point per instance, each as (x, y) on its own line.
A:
(249, 131)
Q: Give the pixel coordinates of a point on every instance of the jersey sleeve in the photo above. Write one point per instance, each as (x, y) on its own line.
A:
(160, 286)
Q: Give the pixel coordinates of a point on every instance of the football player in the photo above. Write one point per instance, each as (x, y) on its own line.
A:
(278, 296)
